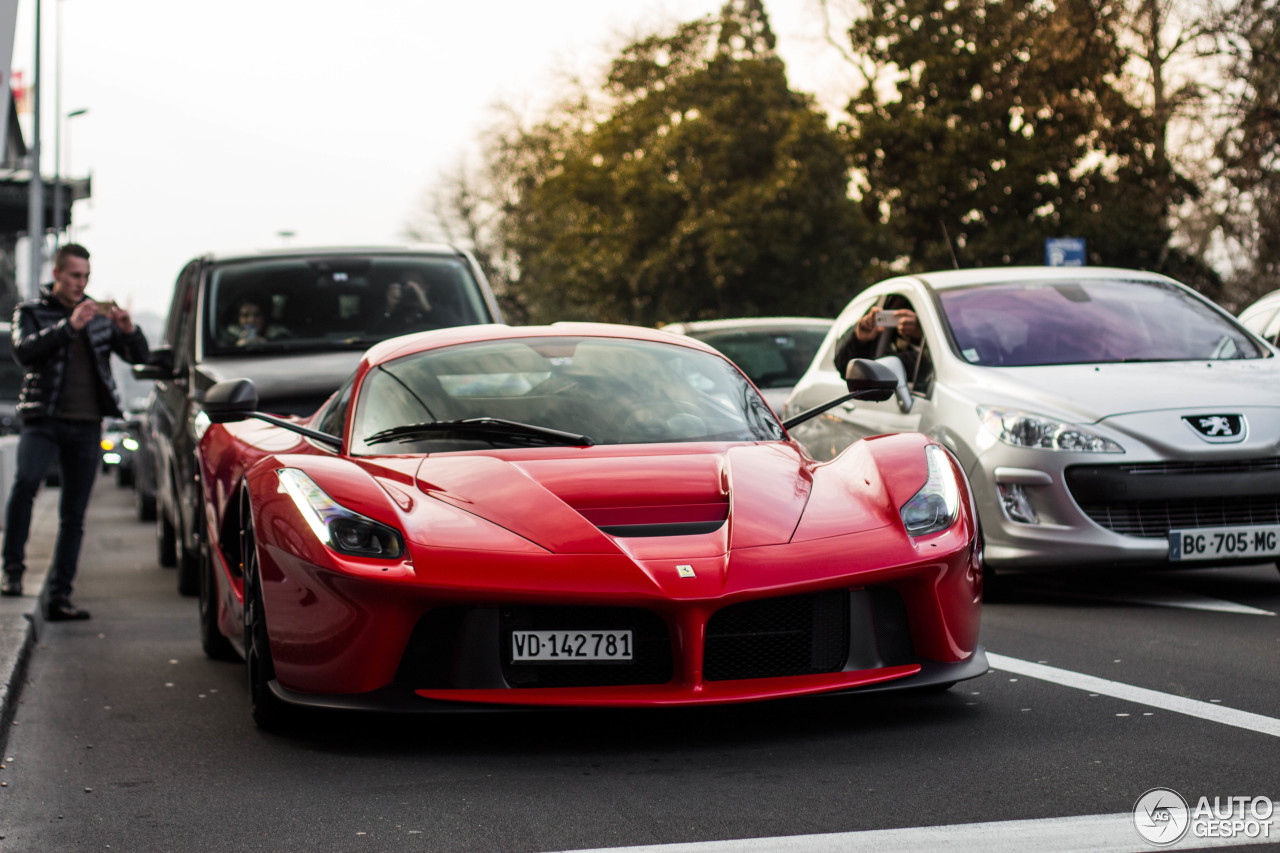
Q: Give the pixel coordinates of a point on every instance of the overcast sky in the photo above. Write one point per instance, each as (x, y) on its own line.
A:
(214, 125)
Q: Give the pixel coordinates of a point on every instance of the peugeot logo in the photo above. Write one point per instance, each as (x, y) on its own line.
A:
(1219, 429)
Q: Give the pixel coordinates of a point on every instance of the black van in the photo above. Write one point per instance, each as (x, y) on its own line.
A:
(296, 323)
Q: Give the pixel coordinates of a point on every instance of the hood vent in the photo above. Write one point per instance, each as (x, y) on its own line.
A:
(663, 520)
(675, 528)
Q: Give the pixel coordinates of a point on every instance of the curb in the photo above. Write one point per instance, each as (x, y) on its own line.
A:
(22, 619)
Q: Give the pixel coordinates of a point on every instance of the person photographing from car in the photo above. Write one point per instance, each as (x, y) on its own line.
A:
(881, 332)
(64, 341)
(406, 308)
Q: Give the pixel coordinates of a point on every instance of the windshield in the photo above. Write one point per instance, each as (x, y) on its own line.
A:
(772, 358)
(1089, 321)
(605, 390)
(336, 302)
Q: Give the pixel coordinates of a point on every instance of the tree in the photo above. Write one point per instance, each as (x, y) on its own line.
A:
(1250, 150)
(698, 185)
(986, 127)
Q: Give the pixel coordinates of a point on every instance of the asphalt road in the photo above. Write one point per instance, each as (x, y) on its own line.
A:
(126, 738)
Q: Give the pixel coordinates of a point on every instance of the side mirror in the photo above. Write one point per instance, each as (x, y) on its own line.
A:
(158, 366)
(902, 392)
(231, 400)
(873, 380)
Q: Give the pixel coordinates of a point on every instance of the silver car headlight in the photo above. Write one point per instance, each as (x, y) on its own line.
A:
(937, 504)
(343, 530)
(1022, 429)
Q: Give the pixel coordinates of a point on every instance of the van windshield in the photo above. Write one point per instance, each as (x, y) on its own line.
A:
(269, 306)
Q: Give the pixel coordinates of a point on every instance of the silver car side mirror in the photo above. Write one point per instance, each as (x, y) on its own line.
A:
(902, 393)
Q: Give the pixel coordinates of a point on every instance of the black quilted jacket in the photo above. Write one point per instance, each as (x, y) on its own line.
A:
(41, 334)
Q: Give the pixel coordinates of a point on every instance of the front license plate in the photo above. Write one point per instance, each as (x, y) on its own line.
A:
(1216, 543)
(570, 646)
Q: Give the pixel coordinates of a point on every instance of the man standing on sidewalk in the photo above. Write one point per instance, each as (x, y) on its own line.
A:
(64, 341)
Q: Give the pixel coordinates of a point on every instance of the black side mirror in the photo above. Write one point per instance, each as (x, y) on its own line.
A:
(237, 400)
(866, 380)
(231, 400)
(158, 366)
(872, 380)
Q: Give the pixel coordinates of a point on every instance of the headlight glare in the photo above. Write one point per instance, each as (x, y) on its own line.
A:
(936, 506)
(341, 529)
(1021, 429)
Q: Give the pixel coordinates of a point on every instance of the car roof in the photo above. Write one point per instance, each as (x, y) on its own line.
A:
(331, 251)
(1263, 301)
(407, 344)
(747, 323)
(948, 279)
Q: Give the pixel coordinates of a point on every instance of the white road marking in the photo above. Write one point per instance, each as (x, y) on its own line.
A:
(1107, 833)
(1141, 695)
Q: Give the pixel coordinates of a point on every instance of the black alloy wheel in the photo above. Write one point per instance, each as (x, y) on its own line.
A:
(269, 712)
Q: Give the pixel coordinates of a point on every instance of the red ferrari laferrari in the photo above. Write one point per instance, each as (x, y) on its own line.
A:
(574, 515)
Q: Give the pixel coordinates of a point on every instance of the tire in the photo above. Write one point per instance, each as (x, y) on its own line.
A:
(214, 644)
(187, 559)
(124, 477)
(188, 571)
(269, 712)
(145, 504)
(166, 541)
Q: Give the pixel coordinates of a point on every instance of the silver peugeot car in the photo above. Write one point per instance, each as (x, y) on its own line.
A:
(1104, 416)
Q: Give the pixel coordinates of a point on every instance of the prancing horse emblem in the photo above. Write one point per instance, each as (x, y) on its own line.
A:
(685, 571)
(1220, 429)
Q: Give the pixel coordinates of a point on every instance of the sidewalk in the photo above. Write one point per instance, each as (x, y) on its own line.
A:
(22, 619)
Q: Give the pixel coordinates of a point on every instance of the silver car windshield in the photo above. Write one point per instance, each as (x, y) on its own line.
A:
(1089, 321)
(270, 306)
(520, 393)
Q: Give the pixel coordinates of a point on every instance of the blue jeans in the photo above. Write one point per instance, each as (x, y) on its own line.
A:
(77, 445)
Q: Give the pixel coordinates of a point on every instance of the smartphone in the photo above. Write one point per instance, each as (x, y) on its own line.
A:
(886, 319)
(104, 309)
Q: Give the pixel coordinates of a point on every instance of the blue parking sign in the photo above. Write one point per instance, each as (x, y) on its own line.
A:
(1064, 252)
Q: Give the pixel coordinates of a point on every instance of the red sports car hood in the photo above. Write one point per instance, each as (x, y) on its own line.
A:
(705, 498)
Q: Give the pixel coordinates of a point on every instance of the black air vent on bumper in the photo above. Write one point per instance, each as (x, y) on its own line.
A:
(1147, 500)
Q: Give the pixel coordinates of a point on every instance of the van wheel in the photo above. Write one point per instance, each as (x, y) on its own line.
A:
(166, 541)
(214, 644)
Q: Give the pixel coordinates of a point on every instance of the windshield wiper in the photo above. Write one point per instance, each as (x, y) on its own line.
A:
(484, 428)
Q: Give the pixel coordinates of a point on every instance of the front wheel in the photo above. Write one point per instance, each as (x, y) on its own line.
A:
(269, 712)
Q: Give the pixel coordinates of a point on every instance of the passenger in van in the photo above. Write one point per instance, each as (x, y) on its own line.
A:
(407, 308)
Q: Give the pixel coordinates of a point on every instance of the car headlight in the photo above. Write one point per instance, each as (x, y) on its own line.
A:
(937, 504)
(1026, 430)
(130, 443)
(343, 530)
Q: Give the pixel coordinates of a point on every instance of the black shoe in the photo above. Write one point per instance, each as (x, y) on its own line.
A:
(64, 611)
(11, 585)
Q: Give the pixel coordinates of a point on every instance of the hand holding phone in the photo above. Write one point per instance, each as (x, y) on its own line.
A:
(886, 319)
(105, 309)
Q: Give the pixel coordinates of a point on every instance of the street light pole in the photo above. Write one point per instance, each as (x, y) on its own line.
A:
(61, 215)
(35, 195)
(57, 125)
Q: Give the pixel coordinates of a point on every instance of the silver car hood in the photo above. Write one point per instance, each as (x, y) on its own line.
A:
(1092, 393)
